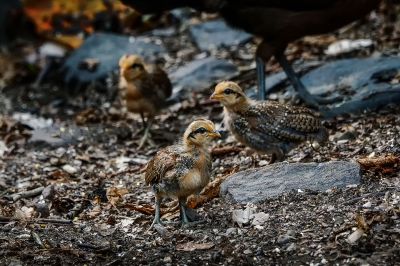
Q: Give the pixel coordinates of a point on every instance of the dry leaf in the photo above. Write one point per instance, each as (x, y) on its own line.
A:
(387, 164)
(190, 246)
(361, 223)
(210, 192)
(25, 213)
(147, 209)
(114, 195)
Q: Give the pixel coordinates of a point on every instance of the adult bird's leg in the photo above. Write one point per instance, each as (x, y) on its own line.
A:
(146, 136)
(157, 219)
(260, 66)
(308, 98)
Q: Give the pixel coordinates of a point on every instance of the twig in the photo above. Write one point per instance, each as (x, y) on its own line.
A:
(225, 150)
(38, 220)
(37, 239)
(378, 193)
(25, 194)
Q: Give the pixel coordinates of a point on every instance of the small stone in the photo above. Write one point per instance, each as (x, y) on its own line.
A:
(230, 231)
(167, 259)
(330, 208)
(48, 192)
(54, 161)
(69, 169)
(247, 251)
(291, 247)
(283, 239)
(315, 145)
(367, 205)
(342, 141)
(260, 218)
(355, 236)
(263, 163)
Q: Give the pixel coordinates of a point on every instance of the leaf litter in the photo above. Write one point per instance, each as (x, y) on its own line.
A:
(85, 202)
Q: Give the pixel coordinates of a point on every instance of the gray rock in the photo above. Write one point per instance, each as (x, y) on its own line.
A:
(365, 82)
(216, 34)
(51, 136)
(200, 74)
(256, 185)
(359, 75)
(107, 49)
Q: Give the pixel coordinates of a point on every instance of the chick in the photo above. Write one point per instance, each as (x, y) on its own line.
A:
(266, 126)
(182, 169)
(144, 88)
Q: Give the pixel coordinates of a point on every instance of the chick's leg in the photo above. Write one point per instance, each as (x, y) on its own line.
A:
(146, 136)
(182, 211)
(140, 131)
(188, 216)
(305, 96)
(157, 219)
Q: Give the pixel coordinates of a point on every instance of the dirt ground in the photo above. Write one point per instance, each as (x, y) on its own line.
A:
(91, 205)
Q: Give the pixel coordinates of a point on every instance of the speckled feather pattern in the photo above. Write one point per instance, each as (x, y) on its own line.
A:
(270, 127)
(177, 172)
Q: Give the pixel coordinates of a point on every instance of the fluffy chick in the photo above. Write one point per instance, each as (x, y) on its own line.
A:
(182, 169)
(267, 126)
(144, 88)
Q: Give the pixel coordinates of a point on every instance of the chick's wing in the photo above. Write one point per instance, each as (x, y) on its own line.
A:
(281, 121)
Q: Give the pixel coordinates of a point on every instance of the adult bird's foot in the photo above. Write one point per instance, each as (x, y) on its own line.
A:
(328, 100)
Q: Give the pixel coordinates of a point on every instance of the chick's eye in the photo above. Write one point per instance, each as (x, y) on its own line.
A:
(137, 66)
(201, 130)
(228, 91)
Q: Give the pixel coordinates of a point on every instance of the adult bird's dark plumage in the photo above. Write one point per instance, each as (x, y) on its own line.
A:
(278, 22)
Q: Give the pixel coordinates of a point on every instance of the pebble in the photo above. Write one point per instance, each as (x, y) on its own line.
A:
(69, 169)
(230, 231)
(367, 204)
(167, 259)
(247, 251)
(291, 247)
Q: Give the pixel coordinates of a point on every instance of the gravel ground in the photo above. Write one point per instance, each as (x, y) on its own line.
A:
(89, 204)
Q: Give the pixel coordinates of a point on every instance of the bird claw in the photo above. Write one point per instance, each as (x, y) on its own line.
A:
(328, 100)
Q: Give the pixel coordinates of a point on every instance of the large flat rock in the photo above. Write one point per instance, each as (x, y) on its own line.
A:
(364, 83)
(216, 34)
(257, 185)
(107, 49)
(200, 74)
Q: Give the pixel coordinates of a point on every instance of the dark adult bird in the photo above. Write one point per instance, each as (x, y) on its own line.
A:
(278, 22)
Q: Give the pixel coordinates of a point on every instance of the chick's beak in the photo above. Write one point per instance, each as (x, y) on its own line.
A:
(215, 134)
(215, 96)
